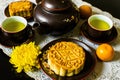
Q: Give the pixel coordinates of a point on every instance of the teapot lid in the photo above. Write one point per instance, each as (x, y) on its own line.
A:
(55, 5)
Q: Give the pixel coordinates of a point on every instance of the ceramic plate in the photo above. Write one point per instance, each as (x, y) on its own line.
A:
(109, 38)
(8, 43)
(6, 12)
(89, 63)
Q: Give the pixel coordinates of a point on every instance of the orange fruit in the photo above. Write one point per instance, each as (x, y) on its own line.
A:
(85, 11)
(105, 52)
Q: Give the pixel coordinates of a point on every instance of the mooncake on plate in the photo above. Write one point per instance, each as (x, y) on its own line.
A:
(21, 8)
(66, 58)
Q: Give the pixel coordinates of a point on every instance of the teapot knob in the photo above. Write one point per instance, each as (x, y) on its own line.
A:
(56, 5)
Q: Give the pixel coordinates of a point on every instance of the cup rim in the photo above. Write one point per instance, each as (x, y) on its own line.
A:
(16, 18)
(100, 17)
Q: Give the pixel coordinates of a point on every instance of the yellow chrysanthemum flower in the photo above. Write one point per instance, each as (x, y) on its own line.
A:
(25, 57)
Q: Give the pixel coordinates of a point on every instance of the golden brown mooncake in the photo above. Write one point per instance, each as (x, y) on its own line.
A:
(21, 8)
(66, 58)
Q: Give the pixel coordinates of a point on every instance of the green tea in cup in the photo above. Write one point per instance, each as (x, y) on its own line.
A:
(100, 22)
(14, 24)
(15, 28)
(100, 26)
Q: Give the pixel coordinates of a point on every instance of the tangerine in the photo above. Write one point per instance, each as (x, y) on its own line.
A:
(105, 52)
(85, 11)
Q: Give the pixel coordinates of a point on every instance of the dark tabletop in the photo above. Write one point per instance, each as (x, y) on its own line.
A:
(7, 72)
(111, 6)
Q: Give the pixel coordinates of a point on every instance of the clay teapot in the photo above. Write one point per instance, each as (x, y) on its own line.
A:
(37, 1)
(56, 16)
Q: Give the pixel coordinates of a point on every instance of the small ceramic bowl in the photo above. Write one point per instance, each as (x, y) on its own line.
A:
(15, 28)
(99, 26)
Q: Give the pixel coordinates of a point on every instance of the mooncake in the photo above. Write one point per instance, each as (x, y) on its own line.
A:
(21, 8)
(66, 58)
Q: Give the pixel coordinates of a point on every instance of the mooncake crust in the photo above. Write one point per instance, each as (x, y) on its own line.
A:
(66, 58)
(21, 8)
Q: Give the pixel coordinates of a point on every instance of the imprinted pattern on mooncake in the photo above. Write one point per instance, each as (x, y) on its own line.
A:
(66, 58)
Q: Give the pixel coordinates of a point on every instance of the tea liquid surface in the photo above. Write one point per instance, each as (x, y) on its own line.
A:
(100, 25)
(14, 26)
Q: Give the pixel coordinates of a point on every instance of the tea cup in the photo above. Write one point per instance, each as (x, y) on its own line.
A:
(15, 28)
(100, 26)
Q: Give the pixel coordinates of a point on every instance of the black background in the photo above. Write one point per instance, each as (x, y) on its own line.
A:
(111, 6)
